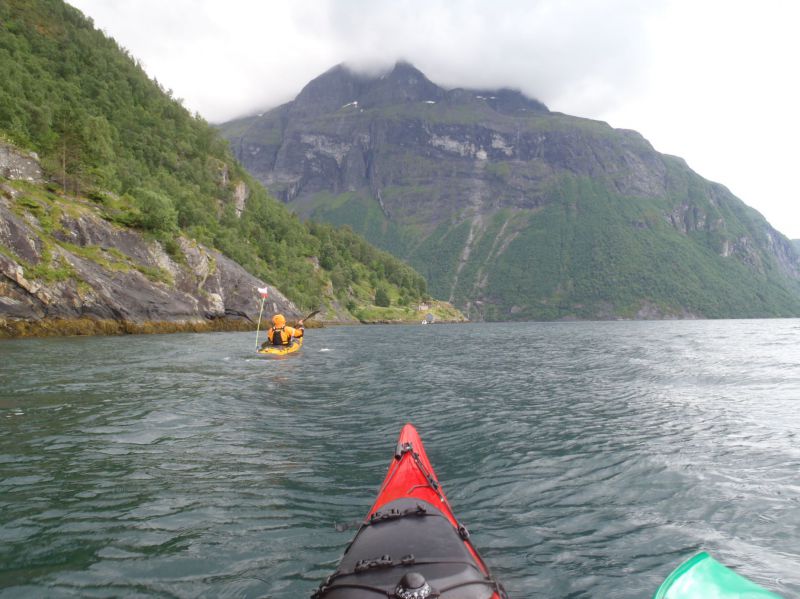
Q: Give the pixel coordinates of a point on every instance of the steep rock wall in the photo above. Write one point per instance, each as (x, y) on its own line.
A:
(62, 264)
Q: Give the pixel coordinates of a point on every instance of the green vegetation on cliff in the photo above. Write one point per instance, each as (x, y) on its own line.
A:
(104, 130)
(596, 251)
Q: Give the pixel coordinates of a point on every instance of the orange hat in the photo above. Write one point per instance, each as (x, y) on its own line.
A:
(278, 320)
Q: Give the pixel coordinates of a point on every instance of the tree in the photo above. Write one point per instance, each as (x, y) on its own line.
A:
(158, 213)
(382, 297)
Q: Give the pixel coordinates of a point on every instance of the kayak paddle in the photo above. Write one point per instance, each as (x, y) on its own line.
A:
(312, 315)
(264, 292)
(703, 577)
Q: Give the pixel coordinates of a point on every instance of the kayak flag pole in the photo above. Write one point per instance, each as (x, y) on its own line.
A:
(264, 292)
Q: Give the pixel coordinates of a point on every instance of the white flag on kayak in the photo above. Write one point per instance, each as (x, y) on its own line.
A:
(264, 291)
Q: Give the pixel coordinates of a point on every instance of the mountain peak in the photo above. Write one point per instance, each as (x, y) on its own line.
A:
(404, 83)
(336, 87)
(341, 86)
(405, 69)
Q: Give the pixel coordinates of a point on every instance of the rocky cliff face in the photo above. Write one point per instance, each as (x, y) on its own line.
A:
(17, 165)
(64, 269)
(513, 211)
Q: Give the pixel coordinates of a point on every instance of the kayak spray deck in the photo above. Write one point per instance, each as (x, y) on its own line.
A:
(410, 545)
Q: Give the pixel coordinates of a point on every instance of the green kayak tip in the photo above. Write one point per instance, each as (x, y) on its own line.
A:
(703, 577)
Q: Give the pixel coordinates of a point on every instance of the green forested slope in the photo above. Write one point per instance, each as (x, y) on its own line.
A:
(589, 261)
(104, 130)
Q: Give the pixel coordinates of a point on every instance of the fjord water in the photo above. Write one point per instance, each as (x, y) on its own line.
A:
(587, 459)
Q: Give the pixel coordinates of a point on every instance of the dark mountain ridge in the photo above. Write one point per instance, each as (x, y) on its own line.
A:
(513, 211)
(340, 87)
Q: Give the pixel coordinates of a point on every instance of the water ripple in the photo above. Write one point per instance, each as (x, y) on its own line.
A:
(587, 459)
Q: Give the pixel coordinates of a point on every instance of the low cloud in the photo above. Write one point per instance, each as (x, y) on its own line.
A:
(566, 54)
(238, 57)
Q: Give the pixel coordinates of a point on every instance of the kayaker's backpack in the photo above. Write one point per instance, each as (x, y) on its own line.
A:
(277, 336)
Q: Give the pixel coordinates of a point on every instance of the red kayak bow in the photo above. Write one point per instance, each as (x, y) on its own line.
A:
(410, 545)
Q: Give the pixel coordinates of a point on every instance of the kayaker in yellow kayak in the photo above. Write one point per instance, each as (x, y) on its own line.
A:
(281, 334)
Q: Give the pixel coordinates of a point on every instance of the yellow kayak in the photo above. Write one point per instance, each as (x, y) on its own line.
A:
(282, 350)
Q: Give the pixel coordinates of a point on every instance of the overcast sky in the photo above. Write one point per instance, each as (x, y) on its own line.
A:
(713, 81)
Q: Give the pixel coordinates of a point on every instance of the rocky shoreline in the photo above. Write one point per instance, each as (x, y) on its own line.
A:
(65, 269)
(62, 327)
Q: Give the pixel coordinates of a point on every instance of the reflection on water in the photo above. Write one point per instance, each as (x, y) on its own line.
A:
(587, 459)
